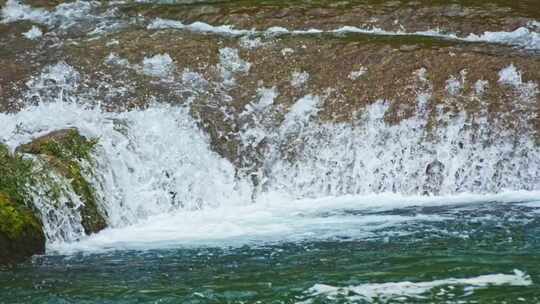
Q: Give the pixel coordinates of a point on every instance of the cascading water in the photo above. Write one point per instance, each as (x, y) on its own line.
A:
(464, 153)
(246, 164)
(157, 161)
(143, 170)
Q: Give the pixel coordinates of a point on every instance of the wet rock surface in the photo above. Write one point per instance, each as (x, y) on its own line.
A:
(351, 70)
(461, 17)
(15, 51)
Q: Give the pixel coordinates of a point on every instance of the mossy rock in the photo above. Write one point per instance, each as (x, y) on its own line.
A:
(64, 150)
(21, 232)
(65, 144)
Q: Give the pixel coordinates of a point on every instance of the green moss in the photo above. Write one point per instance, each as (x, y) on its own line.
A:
(21, 233)
(16, 218)
(64, 151)
(66, 145)
(15, 173)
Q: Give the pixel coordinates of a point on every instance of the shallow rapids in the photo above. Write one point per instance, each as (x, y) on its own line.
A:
(269, 152)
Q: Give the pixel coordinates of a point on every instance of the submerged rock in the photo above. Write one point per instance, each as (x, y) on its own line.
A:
(64, 151)
(21, 232)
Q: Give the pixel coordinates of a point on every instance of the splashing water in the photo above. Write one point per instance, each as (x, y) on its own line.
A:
(157, 162)
(150, 162)
(440, 206)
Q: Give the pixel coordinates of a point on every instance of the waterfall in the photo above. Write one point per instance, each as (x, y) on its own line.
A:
(157, 160)
(149, 161)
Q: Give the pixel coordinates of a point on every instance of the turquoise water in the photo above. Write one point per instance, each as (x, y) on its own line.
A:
(460, 243)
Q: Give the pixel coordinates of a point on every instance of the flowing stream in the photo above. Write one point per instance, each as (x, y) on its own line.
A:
(365, 211)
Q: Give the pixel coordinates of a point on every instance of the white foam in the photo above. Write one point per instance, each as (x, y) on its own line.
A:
(159, 23)
(300, 113)
(299, 79)
(308, 31)
(61, 219)
(454, 86)
(480, 86)
(64, 15)
(421, 74)
(354, 75)
(521, 37)
(251, 43)
(276, 30)
(222, 29)
(371, 156)
(114, 59)
(14, 10)
(400, 290)
(510, 75)
(266, 99)
(55, 81)
(149, 162)
(287, 51)
(231, 64)
(256, 113)
(160, 65)
(34, 33)
(69, 14)
(162, 185)
(277, 218)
